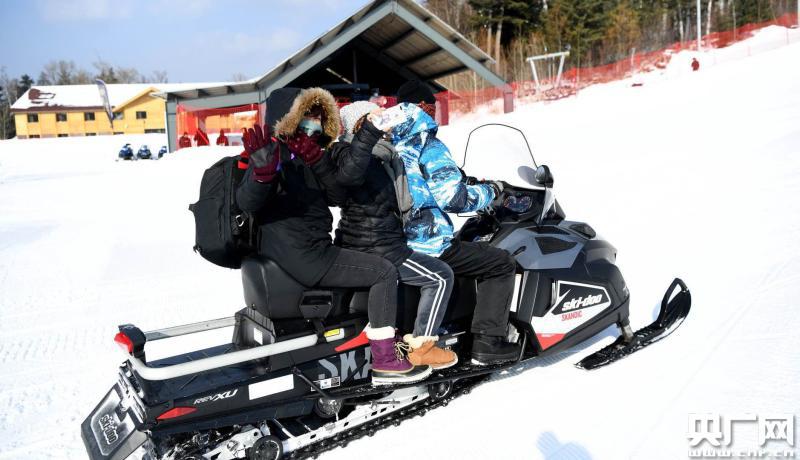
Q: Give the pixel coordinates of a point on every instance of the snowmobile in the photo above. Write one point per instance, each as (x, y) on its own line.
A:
(162, 151)
(143, 153)
(294, 381)
(126, 152)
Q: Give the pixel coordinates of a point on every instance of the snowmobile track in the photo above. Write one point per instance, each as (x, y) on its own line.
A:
(460, 388)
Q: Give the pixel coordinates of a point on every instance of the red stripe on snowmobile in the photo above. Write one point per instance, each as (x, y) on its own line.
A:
(176, 412)
(357, 341)
(548, 340)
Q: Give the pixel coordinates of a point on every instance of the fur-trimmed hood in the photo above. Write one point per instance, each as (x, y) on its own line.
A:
(286, 126)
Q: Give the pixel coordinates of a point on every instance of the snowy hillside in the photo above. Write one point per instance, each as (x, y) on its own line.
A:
(694, 175)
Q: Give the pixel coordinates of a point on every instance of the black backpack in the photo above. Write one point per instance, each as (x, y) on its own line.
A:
(224, 234)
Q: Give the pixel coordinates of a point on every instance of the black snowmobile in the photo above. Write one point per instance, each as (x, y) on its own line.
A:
(295, 379)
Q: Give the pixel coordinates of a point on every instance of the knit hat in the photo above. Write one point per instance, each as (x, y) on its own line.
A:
(415, 91)
(351, 113)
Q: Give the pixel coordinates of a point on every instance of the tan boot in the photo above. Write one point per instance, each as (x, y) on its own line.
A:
(423, 351)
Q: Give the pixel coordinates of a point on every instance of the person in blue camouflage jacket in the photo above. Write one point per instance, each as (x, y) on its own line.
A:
(436, 186)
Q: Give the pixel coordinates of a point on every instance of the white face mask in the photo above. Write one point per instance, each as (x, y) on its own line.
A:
(310, 127)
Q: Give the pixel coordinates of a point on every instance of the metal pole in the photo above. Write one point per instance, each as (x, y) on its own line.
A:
(698, 25)
(560, 69)
(535, 75)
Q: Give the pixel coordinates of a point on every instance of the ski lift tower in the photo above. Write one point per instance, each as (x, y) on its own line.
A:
(548, 70)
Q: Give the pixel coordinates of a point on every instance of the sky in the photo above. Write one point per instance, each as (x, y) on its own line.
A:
(192, 40)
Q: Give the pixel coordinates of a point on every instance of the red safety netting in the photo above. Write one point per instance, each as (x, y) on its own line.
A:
(199, 126)
(453, 104)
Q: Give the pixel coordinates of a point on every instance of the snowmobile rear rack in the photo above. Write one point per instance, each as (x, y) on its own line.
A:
(215, 362)
(147, 372)
(202, 326)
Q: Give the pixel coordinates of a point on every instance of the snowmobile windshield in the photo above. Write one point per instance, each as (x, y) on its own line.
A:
(500, 152)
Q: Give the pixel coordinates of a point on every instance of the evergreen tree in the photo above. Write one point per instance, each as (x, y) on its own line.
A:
(622, 32)
(24, 84)
(579, 25)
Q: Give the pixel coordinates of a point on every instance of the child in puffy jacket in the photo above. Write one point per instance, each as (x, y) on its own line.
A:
(436, 187)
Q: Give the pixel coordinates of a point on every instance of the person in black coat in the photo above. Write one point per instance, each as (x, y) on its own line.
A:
(371, 222)
(289, 184)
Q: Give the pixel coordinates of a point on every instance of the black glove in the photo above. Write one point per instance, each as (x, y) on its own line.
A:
(469, 180)
(497, 187)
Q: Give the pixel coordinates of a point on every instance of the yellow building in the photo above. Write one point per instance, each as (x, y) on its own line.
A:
(78, 110)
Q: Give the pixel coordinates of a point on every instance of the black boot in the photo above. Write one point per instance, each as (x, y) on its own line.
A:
(489, 349)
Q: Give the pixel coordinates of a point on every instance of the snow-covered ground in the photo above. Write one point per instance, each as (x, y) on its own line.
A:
(693, 175)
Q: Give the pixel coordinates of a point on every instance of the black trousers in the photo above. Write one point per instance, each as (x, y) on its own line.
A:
(494, 270)
(353, 269)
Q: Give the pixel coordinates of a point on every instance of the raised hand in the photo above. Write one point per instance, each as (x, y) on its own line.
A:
(263, 152)
(306, 147)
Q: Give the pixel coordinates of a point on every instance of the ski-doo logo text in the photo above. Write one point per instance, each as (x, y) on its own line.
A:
(582, 302)
(216, 397)
(109, 427)
(570, 297)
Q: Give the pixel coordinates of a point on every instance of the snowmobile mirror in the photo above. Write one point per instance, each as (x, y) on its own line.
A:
(543, 176)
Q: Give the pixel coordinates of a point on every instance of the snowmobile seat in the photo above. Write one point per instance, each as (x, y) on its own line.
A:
(277, 295)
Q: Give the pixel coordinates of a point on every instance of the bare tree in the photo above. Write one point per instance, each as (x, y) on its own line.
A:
(708, 16)
(128, 75)
(8, 88)
(159, 76)
(498, 34)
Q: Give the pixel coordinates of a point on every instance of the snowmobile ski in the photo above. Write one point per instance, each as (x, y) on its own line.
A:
(674, 310)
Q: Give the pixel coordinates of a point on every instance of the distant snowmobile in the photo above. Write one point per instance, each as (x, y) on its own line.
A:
(162, 151)
(126, 152)
(143, 153)
(294, 381)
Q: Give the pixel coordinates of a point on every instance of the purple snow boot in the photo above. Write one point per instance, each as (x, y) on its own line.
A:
(389, 362)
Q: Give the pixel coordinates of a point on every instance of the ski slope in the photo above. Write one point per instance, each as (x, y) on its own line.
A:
(694, 175)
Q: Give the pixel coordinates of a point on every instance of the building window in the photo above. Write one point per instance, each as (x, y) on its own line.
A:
(61, 117)
(141, 115)
(33, 118)
(91, 134)
(63, 135)
(117, 133)
(88, 116)
(33, 136)
(119, 116)
(154, 131)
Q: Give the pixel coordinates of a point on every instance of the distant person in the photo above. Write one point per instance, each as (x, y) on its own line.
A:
(695, 65)
(222, 139)
(200, 137)
(184, 141)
